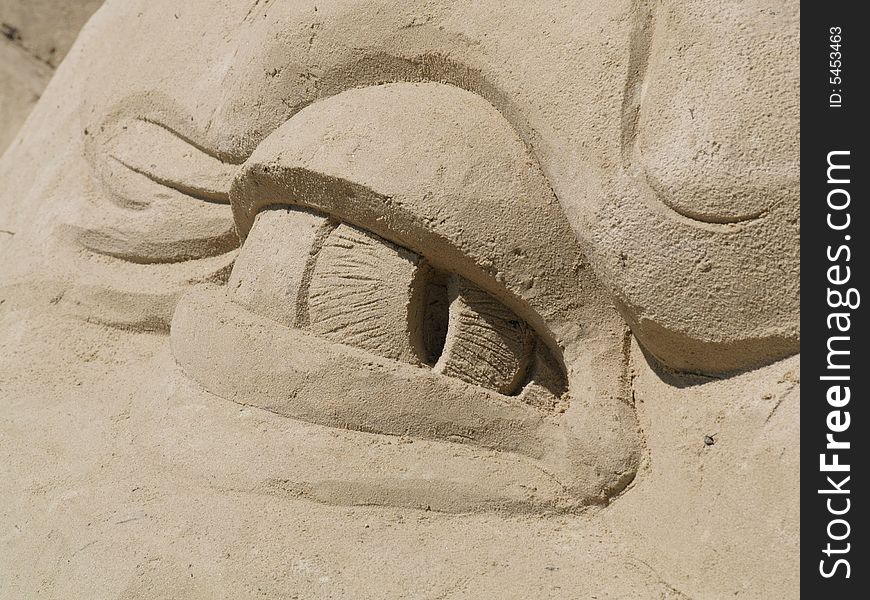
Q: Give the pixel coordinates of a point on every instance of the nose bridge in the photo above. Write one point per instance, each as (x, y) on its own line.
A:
(437, 170)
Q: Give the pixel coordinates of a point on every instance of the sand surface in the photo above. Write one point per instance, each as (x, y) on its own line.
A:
(170, 492)
(35, 36)
(432, 299)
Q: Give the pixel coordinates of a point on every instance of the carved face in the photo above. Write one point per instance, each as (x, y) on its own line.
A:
(409, 236)
(436, 224)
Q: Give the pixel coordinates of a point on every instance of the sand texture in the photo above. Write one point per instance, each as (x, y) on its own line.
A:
(431, 299)
(35, 36)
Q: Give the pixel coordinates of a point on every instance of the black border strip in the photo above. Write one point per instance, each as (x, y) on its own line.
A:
(834, 228)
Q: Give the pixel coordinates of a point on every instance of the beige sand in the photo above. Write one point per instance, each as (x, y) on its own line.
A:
(419, 300)
(35, 36)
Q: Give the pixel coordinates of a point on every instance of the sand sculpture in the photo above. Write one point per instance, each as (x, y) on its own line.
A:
(522, 279)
